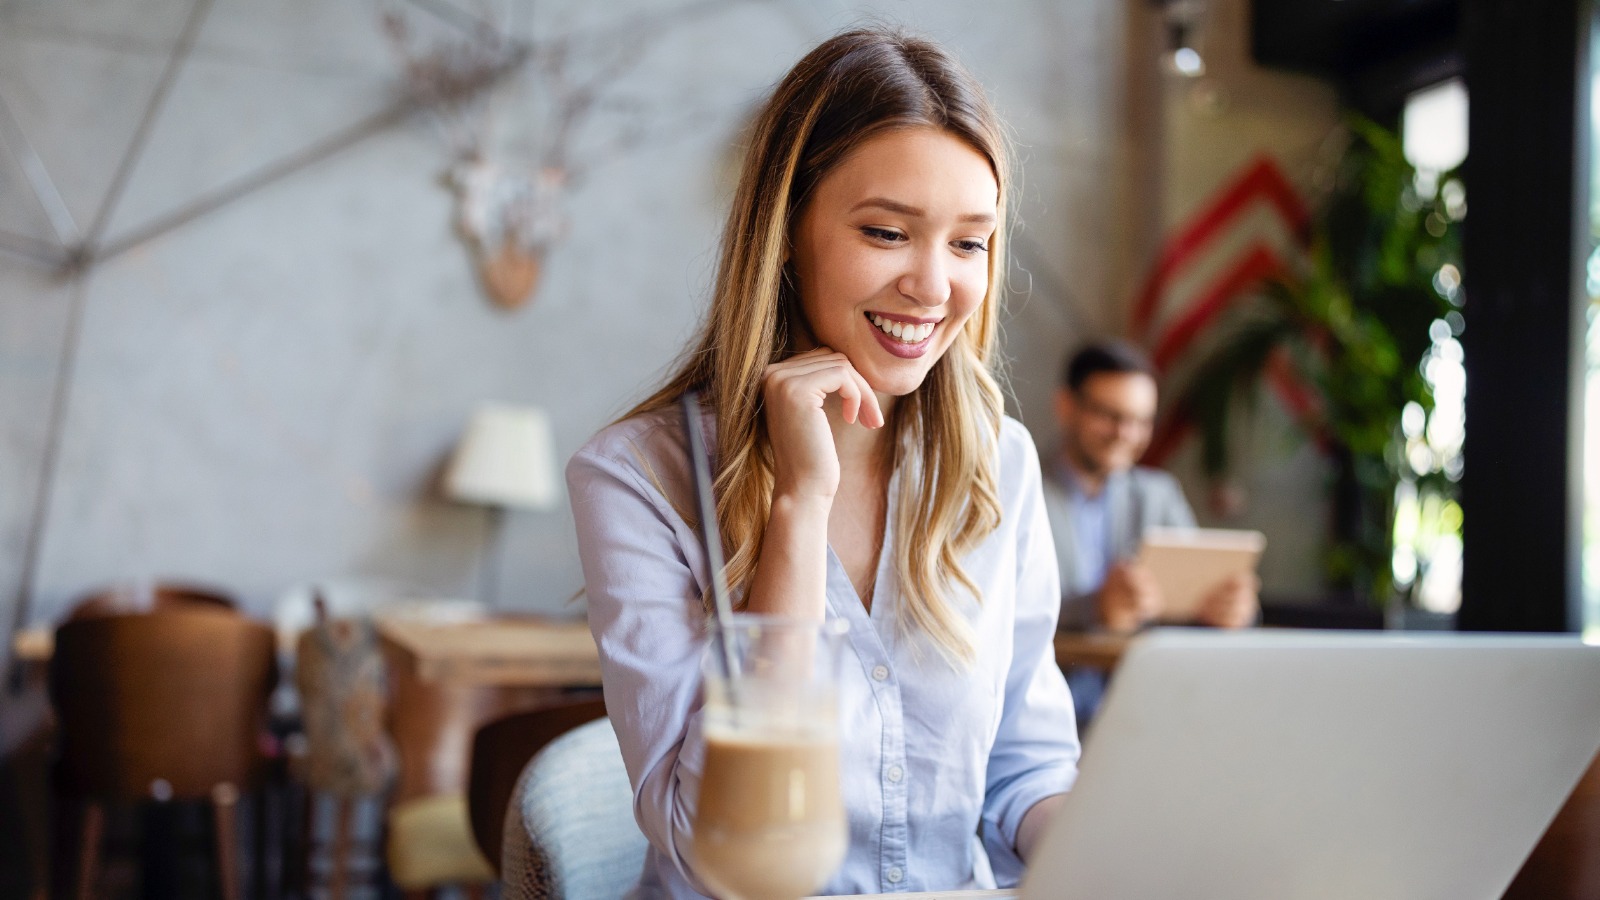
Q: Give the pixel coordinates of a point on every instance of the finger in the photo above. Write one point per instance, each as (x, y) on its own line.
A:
(1117, 576)
(1141, 579)
(824, 379)
(814, 351)
(849, 391)
(869, 401)
(807, 367)
(805, 361)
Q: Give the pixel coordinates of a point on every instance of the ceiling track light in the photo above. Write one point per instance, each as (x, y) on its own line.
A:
(1181, 19)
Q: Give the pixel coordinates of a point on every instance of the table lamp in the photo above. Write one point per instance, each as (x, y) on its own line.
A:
(505, 460)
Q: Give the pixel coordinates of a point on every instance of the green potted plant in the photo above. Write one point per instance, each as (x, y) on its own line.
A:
(1368, 325)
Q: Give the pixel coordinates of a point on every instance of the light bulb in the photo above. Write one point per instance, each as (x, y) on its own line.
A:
(1186, 61)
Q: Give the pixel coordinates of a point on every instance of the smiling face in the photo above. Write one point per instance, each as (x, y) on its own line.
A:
(1106, 423)
(892, 253)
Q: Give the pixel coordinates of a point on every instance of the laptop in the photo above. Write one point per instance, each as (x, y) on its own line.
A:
(1289, 765)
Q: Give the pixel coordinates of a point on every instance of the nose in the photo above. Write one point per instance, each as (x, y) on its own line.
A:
(927, 281)
(1132, 428)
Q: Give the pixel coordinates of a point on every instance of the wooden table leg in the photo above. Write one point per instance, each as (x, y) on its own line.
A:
(225, 809)
(94, 822)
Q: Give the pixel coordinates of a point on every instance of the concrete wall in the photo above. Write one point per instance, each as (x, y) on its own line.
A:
(263, 397)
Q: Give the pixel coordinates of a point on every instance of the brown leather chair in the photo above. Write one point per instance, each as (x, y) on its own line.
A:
(1565, 864)
(163, 597)
(502, 748)
(167, 706)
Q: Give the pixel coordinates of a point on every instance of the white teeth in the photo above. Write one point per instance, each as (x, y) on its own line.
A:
(906, 333)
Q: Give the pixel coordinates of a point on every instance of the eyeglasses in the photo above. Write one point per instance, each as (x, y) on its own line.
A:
(1114, 418)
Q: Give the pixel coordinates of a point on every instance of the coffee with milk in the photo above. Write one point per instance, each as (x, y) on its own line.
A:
(770, 824)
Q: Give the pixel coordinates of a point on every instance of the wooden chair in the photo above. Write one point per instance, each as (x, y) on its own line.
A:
(167, 706)
(165, 597)
(1565, 864)
(500, 751)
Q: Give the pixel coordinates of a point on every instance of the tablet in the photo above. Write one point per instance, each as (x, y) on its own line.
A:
(1189, 563)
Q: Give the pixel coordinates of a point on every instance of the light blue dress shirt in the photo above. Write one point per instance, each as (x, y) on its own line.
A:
(938, 765)
(1091, 528)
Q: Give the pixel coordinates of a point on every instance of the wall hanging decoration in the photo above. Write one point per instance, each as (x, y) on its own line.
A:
(511, 190)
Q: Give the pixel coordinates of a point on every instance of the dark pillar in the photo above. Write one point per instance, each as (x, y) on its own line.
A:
(1525, 242)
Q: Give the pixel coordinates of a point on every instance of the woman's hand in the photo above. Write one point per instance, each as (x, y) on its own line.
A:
(793, 393)
(1034, 822)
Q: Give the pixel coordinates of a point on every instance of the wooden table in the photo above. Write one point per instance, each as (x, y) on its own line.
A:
(449, 678)
(506, 652)
(1093, 650)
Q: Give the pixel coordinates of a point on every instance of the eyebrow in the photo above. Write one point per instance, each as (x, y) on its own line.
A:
(903, 209)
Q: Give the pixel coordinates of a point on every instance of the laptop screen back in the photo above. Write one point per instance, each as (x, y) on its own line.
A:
(1287, 765)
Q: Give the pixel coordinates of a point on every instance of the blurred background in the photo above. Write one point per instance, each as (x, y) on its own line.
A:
(306, 299)
(249, 322)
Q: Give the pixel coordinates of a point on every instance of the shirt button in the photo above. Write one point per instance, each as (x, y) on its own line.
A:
(895, 875)
(879, 673)
(895, 773)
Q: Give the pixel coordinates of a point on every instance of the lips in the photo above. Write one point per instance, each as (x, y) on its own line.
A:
(913, 340)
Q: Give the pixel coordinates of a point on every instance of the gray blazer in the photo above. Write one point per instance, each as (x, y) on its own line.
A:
(1139, 498)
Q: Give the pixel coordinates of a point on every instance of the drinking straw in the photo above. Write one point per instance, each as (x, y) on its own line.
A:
(710, 536)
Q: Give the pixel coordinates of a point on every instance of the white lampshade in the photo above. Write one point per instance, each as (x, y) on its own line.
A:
(505, 458)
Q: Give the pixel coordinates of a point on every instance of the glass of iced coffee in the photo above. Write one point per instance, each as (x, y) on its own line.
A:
(770, 824)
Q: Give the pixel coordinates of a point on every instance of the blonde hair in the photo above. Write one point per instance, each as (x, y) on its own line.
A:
(852, 87)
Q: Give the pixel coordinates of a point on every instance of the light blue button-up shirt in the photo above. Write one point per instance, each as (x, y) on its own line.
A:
(938, 765)
(1091, 530)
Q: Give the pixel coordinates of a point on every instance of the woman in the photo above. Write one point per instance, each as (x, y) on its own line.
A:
(864, 470)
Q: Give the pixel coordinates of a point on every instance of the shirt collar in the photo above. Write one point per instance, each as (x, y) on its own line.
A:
(1068, 479)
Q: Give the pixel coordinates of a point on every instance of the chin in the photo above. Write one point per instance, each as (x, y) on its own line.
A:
(895, 384)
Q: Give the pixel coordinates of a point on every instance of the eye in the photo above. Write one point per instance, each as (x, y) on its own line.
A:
(887, 235)
(971, 246)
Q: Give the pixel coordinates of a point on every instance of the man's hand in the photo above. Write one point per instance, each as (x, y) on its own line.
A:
(1233, 604)
(1130, 597)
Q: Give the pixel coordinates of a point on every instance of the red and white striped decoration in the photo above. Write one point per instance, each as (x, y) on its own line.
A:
(1254, 228)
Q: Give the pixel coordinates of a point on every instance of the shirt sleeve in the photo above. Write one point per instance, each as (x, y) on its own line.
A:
(1035, 753)
(1175, 511)
(645, 611)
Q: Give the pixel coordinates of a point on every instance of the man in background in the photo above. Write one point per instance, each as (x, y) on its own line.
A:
(1100, 502)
